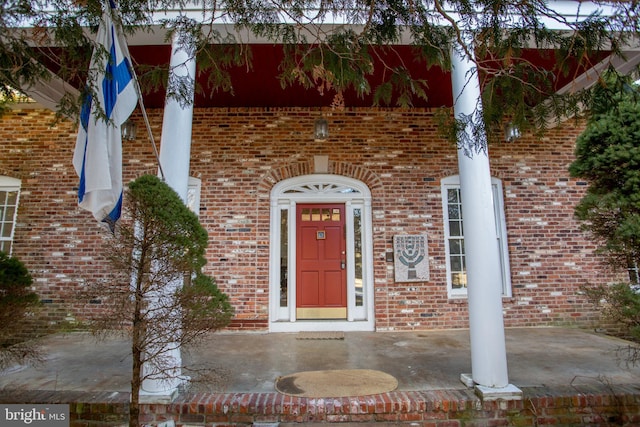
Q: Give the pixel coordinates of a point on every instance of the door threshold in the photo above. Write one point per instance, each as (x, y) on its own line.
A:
(330, 325)
(322, 313)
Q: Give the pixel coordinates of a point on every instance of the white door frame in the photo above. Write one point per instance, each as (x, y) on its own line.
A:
(321, 188)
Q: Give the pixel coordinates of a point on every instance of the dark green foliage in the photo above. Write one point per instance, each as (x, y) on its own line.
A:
(204, 306)
(16, 298)
(168, 230)
(159, 243)
(159, 293)
(17, 302)
(608, 157)
(337, 58)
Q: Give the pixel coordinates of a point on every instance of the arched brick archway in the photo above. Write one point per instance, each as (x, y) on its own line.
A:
(349, 170)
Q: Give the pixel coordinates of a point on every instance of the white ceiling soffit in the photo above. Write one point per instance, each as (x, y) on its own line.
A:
(567, 11)
(624, 65)
(48, 93)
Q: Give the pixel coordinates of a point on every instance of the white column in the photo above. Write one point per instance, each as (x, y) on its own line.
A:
(175, 154)
(488, 351)
(175, 144)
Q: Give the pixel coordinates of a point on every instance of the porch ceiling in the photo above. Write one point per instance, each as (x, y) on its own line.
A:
(259, 86)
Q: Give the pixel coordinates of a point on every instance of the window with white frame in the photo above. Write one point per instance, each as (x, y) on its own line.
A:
(9, 196)
(454, 236)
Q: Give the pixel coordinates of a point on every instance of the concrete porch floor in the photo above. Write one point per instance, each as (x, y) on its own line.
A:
(251, 362)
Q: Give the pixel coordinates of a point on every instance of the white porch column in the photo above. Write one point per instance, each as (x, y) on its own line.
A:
(175, 154)
(484, 281)
(175, 144)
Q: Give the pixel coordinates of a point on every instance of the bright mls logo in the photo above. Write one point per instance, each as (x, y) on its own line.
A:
(34, 415)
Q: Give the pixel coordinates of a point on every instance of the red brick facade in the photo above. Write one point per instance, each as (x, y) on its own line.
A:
(239, 154)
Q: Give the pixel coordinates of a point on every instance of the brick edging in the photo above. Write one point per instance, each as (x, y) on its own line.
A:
(581, 405)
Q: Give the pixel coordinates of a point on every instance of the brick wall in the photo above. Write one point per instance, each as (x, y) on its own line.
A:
(240, 153)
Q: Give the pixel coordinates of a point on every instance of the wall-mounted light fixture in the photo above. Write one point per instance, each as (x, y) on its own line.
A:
(321, 128)
(129, 130)
(511, 132)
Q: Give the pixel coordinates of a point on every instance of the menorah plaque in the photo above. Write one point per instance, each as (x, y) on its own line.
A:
(411, 258)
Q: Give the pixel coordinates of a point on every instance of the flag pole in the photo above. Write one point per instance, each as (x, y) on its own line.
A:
(120, 35)
(148, 126)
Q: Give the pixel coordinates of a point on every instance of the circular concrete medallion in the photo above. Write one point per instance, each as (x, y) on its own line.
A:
(336, 383)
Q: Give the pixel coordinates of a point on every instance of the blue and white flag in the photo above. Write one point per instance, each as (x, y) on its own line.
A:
(98, 153)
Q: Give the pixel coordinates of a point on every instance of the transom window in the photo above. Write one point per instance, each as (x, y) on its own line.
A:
(317, 214)
(321, 188)
(454, 237)
(9, 196)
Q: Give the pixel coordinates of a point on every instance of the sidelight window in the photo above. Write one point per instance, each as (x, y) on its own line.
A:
(9, 196)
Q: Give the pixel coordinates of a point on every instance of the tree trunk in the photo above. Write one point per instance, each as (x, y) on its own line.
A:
(137, 347)
(136, 382)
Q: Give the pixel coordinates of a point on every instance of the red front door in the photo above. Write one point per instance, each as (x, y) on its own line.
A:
(321, 290)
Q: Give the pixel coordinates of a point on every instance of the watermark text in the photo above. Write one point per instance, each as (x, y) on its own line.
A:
(34, 415)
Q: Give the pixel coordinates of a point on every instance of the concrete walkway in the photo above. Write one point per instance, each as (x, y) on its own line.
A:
(251, 362)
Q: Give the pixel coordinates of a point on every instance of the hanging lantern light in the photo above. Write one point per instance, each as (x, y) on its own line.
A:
(321, 128)
(511, 132)
(129, 130)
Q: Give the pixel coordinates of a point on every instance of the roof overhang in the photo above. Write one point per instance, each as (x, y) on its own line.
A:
(259, 84)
